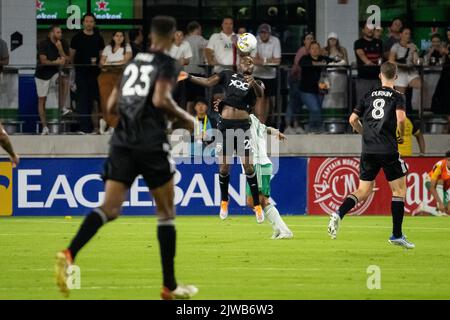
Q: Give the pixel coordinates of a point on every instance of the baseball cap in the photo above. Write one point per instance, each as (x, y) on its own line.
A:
(265, 27)
(332, 35)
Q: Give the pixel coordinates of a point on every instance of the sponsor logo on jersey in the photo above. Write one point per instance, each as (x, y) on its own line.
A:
(241, 85)
(335, 179)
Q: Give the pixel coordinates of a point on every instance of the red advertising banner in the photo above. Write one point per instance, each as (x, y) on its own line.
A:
(330, 180)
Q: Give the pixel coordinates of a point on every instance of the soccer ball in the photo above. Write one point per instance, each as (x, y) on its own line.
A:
(246, 42)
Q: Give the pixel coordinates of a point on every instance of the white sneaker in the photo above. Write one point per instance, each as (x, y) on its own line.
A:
(66, 112)
(223, 210)
(285, 235)
(45, 131)
(180, 293)
(275, 234)
(333, 226)
(103, 126)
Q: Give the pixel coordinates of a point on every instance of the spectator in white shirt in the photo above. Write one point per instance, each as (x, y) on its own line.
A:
(268, 55)
(181, 50)
(118, 52)
(221, 51)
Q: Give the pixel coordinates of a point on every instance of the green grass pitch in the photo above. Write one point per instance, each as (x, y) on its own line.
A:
(234, 259)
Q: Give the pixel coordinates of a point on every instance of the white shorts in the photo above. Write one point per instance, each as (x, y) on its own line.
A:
(405, 77)
(43, 86)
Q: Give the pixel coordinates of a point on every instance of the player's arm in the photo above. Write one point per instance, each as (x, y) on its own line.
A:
(5, 143)
(435, 194)
(162, 98)
(355, 123)
(420, 141)
(205, 82)
(401, 120)
(277, 133)
(112, 111)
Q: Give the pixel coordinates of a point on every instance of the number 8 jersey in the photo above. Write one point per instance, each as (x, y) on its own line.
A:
(141, 124)
(377, 111)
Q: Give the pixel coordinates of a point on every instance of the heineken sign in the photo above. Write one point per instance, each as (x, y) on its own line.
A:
(56, 9)
(113, 9)
(108, 10)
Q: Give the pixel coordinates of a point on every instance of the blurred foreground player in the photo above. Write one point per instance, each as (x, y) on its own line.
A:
(140, 146)
(440, 172)
(5, 143)
(382, 110)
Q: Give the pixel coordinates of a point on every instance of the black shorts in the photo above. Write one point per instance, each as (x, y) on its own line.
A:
(194, 91)
(270, 86)
(125, 164)
(236, 136)
(393, 166)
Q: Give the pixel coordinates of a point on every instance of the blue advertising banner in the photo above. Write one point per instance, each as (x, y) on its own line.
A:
(67, 186)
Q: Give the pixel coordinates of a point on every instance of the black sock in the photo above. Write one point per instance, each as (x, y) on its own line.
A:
(398, 210)
(253, 183)
(224, 182)
(167, 243)
(93, 221)
(349, 203)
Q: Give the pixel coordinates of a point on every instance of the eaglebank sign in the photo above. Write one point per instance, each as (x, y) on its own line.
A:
(73, 186)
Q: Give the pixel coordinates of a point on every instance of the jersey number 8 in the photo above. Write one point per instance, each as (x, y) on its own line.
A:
(132, 85)
(378, 111)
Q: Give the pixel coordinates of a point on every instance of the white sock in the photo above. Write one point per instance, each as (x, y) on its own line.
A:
(274, 217)
(431, 210)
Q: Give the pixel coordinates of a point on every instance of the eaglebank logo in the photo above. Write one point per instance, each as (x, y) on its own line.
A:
(79, 193)
(334, 181)
(6, 189)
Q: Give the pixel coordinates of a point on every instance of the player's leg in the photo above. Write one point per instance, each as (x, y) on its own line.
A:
(252, 182)
(395, 170)
(115, 195)
(224, 182)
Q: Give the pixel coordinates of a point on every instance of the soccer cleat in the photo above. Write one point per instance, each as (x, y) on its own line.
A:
(259, 214)
(180, 293)
(333, 226)
(224, 210)
(285, 235)
(63, 261)
(275, 234)
(402, 242)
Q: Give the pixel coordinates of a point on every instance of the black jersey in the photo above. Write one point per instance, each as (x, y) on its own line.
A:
(377, 111)
(238, 92)
(141, 124)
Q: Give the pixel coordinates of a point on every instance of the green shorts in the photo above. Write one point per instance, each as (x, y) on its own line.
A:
(446, 193)
(264, 175)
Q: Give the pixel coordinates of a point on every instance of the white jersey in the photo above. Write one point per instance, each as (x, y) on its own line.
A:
(259, 141)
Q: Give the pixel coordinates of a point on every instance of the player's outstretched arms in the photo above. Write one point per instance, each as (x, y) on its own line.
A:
(162, 98)
(5, 143)
(277, 133)
(112, 113)
(355, 123)
(205, 82)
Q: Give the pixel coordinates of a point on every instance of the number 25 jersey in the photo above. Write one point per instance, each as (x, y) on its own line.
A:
(377, 111)
(141, 124)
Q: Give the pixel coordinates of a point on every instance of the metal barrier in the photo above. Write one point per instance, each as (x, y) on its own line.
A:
(337, 104)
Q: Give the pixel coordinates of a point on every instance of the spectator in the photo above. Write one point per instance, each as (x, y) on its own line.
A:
(334, 51)
(411, 129)
(4, 54)
(53, 53)
(202, 137)
(86, 49)
(114, 56)
(136, 41)
(441, 97)
(368, 53)
(268, 55)
(181, 50)
(198, 44)
(242, 30)
(221, 51)
(295, 101)
(394, 36)
(378, 33)
(435, 52)
(404, 53)
(312, 65)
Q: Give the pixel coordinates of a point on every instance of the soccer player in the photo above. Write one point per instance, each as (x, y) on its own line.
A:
(440, 172)
(382, 110)
(242, 92)
(139, 146)
(264, 171)
(5, 143)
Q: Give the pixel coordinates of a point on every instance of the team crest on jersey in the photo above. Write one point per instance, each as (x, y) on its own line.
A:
(335, 179)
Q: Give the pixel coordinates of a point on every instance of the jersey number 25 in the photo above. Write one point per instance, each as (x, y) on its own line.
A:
(133, 86)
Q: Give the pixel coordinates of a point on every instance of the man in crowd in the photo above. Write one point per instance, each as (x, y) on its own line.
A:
(268, 55)
(86, 49)
(53, 53)
(395, 31)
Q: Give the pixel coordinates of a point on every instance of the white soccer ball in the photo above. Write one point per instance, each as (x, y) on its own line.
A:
(247, 42)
